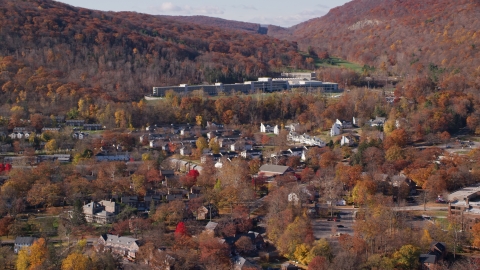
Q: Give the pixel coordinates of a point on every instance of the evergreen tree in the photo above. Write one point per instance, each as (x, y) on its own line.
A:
(78, 217)
(152, 211)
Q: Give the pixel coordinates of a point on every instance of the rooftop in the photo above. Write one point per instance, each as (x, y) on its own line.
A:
(464, 193)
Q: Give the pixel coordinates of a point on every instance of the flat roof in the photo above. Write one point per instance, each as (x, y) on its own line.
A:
(464, 193)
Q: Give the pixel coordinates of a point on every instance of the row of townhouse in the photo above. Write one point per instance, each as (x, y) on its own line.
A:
(340, 125)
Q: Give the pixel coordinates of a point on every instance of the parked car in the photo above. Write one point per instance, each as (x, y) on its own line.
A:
(340, 226)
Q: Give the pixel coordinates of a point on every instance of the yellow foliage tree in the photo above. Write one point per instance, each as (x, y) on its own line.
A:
(426, 239)
(22, 260)
(301, 253)
(214, 145)
(32, 257)
(363, 191)
(75, 261)
(394, 153)
(320, 248)
(51, 145)
(38, 253)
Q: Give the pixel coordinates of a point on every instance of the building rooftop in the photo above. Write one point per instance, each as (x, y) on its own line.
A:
(119, 240)
(465, 193)
(28, 240)
(274, 168)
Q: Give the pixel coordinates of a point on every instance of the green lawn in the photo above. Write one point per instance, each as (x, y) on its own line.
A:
(337, 62)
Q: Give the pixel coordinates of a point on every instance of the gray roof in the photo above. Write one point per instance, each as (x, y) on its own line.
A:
(104, 214)
(211, 225)
(427, 258)
(274, 168)
(90, 208)
(28, 240)
(119, 240)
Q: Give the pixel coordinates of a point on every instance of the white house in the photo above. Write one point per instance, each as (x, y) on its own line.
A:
(336, 130)
(251, 154)
(293, 198)
(344, 124)
(276, 130)
(357, 121)
(347, 140)
(292, 127)
(185, 151)
(79, 135)
(377, 122)
(266, 128)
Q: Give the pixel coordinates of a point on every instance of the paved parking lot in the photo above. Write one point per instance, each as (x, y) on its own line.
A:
(322, 228)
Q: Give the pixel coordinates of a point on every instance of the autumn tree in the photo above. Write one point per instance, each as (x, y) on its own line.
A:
(33, 257)
(201, 144)
(75, 261)
(244, 245)
(407, 257)
(213, 253)
(318, 263)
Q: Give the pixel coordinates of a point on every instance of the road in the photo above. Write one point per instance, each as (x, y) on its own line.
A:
(322, 228)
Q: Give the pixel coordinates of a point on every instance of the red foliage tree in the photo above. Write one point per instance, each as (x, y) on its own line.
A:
(181, 229)
(318, 263)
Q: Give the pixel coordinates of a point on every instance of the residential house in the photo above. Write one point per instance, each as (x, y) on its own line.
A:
(75, 123)
(401, 123)
(185, 132)
(156, 143)
(164, 174)
(56, 157)
(298, 151)
(21, 242)
(377, 122)
(23, 129)
(214, 157)
(240, 263)
(335, 130)
(175, 194)
(195, 192)
(59, 118)
(79, 135)
(185, 151)
(214, 125)
(251, 154)
(293, 198)
(265, 128)
(305, 139)
(240, 146)
(50, 129)
(276, 130)
(131, 201)
(229, 154)
(157, 200)
(96, 212)
(211, 227)
(293, 127)
(120, 245)
(103, 156)
(344, 123)
(357, 122)
(289, 266)
(273, 170)
(348, 140)
(92, 127)
(436, 254)
(204, 212)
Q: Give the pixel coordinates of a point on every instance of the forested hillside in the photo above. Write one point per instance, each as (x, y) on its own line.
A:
(220, 23)
(400, 36)
(55, 53)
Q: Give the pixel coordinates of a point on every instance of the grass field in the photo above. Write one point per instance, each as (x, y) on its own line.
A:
(337, 62)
